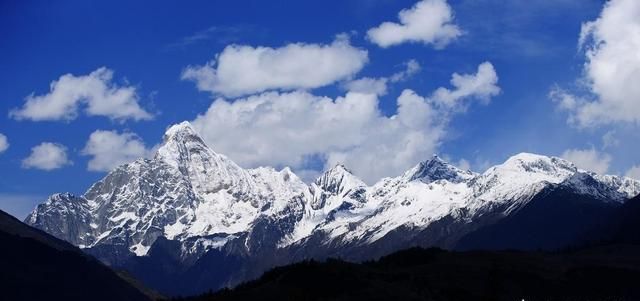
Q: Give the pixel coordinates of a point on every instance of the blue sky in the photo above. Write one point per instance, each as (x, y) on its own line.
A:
(531, 45)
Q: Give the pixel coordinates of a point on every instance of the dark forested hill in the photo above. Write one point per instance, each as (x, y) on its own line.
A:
(623, 226)
(37, 266)
(599, 273)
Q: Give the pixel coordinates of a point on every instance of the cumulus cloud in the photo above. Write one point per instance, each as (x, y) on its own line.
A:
(4, 143)
(378, 86)
(47, 156)
(284, 128)
(427, 22)
(275, 128)
(480, 85)
(634, 172)
(95, 92)
(110, 149)
(588, 159)
(612, 68)
(241, 70)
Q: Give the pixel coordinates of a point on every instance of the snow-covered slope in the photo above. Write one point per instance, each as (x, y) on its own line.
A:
(187, 190)
(191, 194)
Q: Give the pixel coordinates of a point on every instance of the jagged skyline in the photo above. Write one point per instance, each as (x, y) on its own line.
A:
(376, 88)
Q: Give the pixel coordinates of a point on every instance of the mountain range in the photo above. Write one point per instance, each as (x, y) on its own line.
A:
(189, 219)
(605, 268)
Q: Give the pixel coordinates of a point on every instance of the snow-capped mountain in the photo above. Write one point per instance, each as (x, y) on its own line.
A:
(186, 191)
(203, 201)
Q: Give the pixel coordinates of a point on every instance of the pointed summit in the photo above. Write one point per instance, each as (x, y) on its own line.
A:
(209, 171)
(339, 179)
(181, 131)
(436, 169)
(341, 168)
(180, 139)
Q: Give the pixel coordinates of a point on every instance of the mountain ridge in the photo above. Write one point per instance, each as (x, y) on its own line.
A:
(205, 203)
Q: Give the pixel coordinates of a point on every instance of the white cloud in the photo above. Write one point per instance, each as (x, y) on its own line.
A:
(241, 70)
(368, 85)
(427, 22)
(411, 68)
(480, 85)
(290, 128)
(378, 86)
(588, 159)
(284, 128)
(110, 149)
(95, 92)
(612, 68)
(564, 99)
(4, 143)
(389, 146)
(47, 156)
(464, 164)
(634, 172)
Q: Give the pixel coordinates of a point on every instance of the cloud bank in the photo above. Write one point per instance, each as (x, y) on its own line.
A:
(276, 128)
